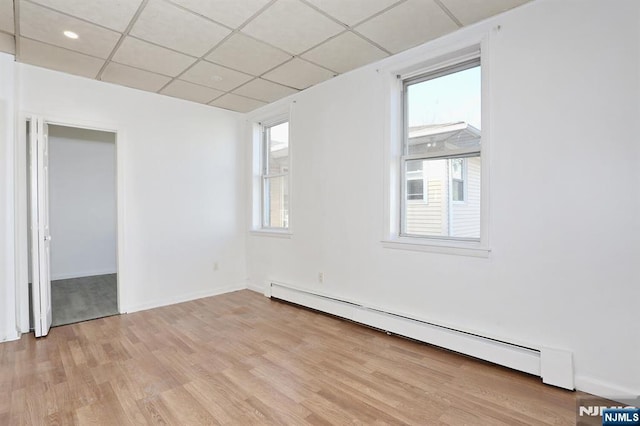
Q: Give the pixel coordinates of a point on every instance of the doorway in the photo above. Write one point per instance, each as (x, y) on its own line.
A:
(72, 208)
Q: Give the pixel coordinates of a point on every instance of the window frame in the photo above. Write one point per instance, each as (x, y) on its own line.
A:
(405, 157)
(430, 59)
(266, 117)
(265, 175)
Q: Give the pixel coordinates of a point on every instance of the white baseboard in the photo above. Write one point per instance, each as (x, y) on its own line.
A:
(182, 298)
(256, 288)
(69, 275)
(504, 353)
(10, 336)
(604, 389)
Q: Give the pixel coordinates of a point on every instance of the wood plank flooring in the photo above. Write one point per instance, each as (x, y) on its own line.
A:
(241, 358)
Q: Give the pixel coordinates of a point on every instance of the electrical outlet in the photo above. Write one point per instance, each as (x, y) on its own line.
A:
(320, 277)
(215, 266)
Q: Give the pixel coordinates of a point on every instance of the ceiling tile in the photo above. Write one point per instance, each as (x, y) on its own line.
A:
(470, 11)
(7, 43)
(299, 74)
(6, 16)
(353, 11)
(215, 76)
(264, 90)
(173, 27)
(236, 103)
(133, 77)
(150, 57)
(345, 52)
(47, 56)
(191, 92)
(409, 24)
(232, 13)
(247, 54)
(42, 24)
(292, 26)
(114, 14)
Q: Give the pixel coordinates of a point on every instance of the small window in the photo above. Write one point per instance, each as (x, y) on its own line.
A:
(416, 185)
(275, 176)
(441, 153)
(457, 179)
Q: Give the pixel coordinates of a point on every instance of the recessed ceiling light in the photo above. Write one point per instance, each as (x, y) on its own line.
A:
(70, 34)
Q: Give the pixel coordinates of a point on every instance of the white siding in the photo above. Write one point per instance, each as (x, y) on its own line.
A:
(465, 218)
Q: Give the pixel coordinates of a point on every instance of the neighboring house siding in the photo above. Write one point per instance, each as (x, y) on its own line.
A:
(430, 217)
(466, 215)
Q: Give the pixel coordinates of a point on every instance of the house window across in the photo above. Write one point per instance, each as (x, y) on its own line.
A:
(416, 185)
(275, 176)
(442, 139)
(457, 179)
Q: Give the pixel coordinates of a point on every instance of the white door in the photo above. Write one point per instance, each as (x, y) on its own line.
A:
(40, 235)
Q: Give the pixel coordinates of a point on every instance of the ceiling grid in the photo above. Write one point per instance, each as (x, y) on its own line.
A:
(232, 54)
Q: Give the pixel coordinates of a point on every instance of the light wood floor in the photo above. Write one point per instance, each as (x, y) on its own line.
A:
(241, 358)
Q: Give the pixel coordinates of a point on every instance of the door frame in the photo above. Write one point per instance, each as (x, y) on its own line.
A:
(21, 213)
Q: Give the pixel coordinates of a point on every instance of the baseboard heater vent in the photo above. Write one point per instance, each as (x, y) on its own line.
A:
(510, 355)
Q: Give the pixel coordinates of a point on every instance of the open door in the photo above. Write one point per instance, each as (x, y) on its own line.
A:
(40, 235)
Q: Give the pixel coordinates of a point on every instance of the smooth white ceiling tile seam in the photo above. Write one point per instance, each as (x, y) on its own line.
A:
(247, 54)
(407, 25)
(59, 59)
(141, 7)
(113, 14)
(231, 13)
(292, 26)
(133, 77)
(6, 16)
(344, 53)
(215, 76)
(264, 90)
(352, 12)
(471, 11)
(236, 103)
(169, 25)
(147, 56)
(299, 74)
(95, 40)
(448, 12)
(192, 92)
(229, 36)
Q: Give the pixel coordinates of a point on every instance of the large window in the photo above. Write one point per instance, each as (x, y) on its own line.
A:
(440, 160)
(275, 176)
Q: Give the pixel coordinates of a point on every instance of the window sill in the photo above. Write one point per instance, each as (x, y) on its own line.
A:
(459, 248)
(270, 233)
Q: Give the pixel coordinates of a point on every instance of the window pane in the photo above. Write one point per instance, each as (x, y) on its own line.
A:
(444, 113)
(415, 188)
(276, 202)
(441, 217)
(278, 149)
(414, 184)
(456, 168)
(457, 188)
(443, 116)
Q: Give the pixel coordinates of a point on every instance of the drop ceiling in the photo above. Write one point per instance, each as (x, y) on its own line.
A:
(232, 54)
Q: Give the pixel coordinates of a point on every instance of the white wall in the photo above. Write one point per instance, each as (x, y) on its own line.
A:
(179, 182)
(8, 328)
(82, 202)
(564, 200)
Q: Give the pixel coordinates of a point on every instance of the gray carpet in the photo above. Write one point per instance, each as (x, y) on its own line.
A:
(85, 298)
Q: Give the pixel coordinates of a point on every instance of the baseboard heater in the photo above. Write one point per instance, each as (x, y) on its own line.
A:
(499, 352)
